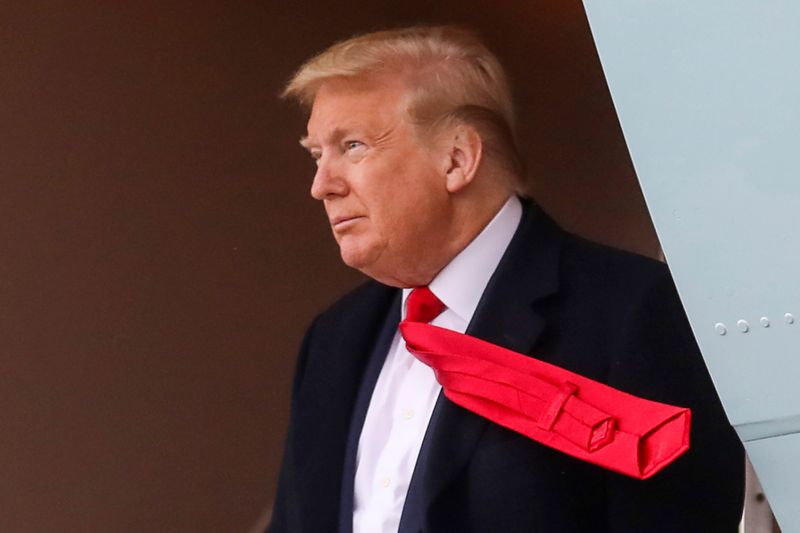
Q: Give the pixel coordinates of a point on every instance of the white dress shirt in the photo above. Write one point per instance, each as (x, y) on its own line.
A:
(406, 391)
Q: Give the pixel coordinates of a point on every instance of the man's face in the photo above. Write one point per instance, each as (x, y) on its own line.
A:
(383, 190)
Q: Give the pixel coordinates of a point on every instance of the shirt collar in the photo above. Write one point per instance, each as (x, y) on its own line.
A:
(460, 284)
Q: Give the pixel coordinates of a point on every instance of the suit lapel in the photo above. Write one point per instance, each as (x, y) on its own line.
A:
(373, 369)
(507, 315)
(327, 404)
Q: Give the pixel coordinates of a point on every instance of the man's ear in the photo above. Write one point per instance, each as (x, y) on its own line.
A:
(465, 151)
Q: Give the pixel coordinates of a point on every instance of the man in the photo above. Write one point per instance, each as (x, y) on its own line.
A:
(411, 131)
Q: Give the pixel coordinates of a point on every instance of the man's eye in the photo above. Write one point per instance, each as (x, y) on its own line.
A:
(352, 145)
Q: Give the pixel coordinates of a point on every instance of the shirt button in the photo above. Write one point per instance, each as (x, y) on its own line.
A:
(385, 482)
(408, 414)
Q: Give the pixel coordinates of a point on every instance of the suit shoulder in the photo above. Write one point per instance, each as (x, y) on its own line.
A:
(368, 298)
(356, 315)
(611, 268)
(617, 283)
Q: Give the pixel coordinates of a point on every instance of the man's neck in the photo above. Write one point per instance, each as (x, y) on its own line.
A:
(467, 225)
(462, 281)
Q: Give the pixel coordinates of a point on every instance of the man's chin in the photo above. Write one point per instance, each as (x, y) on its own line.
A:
(368, 265)
(355, 257)
(366, 262)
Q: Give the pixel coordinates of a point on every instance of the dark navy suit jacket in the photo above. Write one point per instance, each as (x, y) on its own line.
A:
(606, 314)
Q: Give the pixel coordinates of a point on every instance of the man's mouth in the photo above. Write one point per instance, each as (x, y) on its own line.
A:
(341, 223)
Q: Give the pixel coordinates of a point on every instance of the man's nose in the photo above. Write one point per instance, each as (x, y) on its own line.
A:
(328, 181)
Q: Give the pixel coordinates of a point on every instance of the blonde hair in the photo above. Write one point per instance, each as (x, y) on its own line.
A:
(451, 75)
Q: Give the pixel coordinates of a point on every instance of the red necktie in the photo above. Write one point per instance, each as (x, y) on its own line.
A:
(423, 306)
(566, 411)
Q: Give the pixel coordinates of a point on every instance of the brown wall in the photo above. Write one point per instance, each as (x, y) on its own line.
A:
(160, 256)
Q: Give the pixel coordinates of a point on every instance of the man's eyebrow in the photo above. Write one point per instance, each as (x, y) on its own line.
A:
(335, 136)
(305, 143)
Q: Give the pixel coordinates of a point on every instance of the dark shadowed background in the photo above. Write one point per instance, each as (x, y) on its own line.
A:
(160, 256)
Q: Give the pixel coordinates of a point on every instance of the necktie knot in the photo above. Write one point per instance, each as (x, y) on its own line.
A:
(423, 306)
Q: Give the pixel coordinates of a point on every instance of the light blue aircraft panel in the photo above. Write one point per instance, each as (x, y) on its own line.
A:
(775, 474)
(708, 96)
